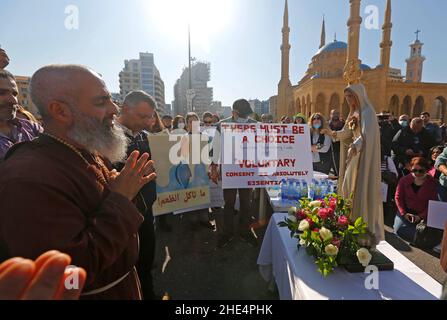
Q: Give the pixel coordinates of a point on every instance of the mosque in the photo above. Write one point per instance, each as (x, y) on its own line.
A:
(336, 64)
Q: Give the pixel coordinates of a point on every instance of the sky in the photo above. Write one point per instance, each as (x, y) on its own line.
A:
(240, 38)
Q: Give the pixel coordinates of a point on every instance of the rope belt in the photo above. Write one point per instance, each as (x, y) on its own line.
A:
(105, 288)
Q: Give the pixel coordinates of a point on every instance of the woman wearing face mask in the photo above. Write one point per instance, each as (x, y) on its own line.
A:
(321, 144)
(413, 194)
(178, 125)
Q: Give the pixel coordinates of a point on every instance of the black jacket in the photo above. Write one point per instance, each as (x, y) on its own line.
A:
(406, 139)
(149, 191)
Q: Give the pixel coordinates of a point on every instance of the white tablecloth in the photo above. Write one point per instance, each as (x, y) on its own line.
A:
(297, 277)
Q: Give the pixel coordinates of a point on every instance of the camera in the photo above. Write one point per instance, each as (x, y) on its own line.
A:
(383, 117)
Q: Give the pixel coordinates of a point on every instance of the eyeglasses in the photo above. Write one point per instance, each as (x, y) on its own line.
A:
(420, 171)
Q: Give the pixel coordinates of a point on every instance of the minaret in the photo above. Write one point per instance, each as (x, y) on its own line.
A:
(385, 46)
(284, 85)
(352, 72)
(416, 61)
(323, 35)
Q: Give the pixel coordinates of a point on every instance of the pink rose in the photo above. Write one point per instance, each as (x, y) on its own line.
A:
(325, 213)
(343, 221)
(336, 243)
(333, 204)
(310, 222)
(301, 215)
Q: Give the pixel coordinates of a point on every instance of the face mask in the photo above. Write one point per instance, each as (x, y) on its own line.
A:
(317, 126)
(241, 120)
(181, 126)
(404, 123)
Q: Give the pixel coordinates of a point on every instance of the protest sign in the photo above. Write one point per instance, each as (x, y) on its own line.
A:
(261, 155)
(437, 215)
(182, 184)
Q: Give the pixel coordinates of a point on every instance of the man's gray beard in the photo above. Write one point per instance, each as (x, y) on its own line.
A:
(97, 137)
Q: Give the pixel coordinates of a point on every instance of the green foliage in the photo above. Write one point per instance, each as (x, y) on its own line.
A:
(345, 238)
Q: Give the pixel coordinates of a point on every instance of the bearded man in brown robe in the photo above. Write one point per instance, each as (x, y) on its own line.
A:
(58, 192)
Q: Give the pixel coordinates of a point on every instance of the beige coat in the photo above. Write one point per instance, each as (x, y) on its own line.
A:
(361, 177)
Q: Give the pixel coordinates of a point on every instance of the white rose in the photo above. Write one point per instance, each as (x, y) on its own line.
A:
(292, 218)
(292, 211)
(364, 257)
(326, 234)
(304, 225)
(315, 204)
(331, 250)
(302, 242)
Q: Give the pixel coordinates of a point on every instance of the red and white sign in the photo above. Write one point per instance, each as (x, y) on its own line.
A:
(261, 155)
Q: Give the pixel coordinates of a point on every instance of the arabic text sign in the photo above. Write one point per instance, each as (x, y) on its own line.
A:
(181, 185)
(260, 155)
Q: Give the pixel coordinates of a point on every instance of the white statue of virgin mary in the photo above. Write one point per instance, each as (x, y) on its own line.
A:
(360, 174)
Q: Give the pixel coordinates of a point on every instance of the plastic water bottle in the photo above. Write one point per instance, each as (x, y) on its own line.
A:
(284, 189)
(291, 192)
(305, 190)
(312, 190)
(318, 190)
(330, 186)
(297, 190)
(324, 188)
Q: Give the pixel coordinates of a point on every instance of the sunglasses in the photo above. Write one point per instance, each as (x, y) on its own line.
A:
(421, 171)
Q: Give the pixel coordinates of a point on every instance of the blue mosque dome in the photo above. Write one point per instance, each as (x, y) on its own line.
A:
(365, 67)
(333, 46)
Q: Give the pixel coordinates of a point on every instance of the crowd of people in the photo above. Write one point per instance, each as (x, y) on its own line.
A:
(81, 181)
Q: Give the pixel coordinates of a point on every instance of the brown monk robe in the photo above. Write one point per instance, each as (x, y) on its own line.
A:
(50, 199)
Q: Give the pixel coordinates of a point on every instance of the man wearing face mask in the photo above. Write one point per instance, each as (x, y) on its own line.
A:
(241, 112)
(410, 142)
(404, 121)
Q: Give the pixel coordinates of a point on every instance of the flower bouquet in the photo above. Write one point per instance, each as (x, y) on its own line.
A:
(324, 228)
